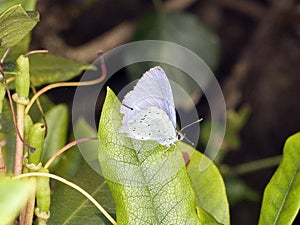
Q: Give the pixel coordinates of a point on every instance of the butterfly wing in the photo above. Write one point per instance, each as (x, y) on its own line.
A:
(153, 89)
(151, 123)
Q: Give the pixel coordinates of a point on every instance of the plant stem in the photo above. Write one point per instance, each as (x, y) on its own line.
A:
(19, 143)
(26, 215)
(83, 192)
(69, 84)
(257, 165)
(66, 147)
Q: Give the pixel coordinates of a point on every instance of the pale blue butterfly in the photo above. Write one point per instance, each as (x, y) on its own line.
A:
(149, 110)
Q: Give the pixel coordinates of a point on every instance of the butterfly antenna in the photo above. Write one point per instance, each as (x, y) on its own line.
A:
(189, 141)
(127, 106)
(197, 121)
(181, 136)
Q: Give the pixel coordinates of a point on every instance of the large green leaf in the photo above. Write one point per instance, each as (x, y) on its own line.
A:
(13, 195)
(149, 183)
(47, 68)
(15, 23)
(208, 185)
(281, 201)
(69, 207)
(57, 127)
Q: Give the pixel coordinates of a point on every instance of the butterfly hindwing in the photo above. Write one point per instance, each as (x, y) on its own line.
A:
(151, 123)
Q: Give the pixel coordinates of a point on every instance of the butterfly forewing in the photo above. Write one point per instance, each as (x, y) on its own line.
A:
(153, 89)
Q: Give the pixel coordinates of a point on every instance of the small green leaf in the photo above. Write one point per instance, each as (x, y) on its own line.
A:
(47, 68)
(15, 23)
(72, 160)
(8, 136)
(13, 195)
(208, 185)
(281, 201)
(236, 120)
(22, 46)
(69, 207)
(57, 124)
(18, 49)
(149, 183)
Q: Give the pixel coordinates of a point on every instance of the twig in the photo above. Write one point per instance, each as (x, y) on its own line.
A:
(256, 165)
(86, 52)
(66, 147)
(118, 35)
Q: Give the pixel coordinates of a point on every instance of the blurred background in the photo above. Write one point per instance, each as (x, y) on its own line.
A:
(252, 46)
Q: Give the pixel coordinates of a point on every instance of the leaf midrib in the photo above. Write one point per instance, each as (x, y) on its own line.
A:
(286, 195)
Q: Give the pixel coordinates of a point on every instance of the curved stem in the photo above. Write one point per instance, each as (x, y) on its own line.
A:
(67, 84)
(66, 147)
(35, 51)
(76, 187)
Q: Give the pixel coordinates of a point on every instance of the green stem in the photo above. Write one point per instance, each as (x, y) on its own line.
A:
(257, 165)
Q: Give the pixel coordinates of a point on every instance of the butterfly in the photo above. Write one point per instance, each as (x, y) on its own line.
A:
(149, 110)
